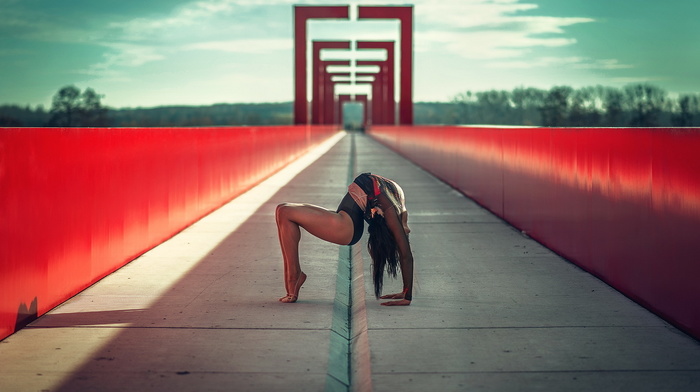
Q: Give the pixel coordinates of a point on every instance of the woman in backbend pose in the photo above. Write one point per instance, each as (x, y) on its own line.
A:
(370, 197)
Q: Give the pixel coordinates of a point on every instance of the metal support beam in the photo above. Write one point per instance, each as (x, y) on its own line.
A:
(405, 15)
(301, 15)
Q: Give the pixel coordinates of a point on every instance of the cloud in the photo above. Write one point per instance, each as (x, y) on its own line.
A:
(637, 79)
(196, 25)
(142, 29)
(121, 56)
(135, 42)
(604, 64)
(487, 45)
(131, 43)
(489, 29)
(251, 45)
(571, 62)
(468, 13)
(130, 55)
(30, 26)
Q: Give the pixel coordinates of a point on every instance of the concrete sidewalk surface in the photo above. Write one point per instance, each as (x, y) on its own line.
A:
(493, 310)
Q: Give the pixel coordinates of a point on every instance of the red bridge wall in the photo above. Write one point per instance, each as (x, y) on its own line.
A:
(78, 203)
(624, 204)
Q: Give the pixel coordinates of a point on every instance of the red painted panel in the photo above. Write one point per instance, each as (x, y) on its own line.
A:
(78, 203)
(623, 204)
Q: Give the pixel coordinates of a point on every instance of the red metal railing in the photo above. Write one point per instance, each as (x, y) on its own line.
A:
(624, 204)
(78, 203)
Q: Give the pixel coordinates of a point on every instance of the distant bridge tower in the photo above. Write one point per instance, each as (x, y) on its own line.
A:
(325, 107)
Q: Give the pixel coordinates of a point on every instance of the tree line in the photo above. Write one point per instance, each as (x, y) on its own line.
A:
(74, 108)
(636, 105)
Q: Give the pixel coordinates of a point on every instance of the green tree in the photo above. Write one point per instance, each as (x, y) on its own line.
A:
(645, 102)
(687, 112)
(494, 107)
(527, 103)
(613, 107)
(6, 121)
(555, 110)
(93, 114)
(462, 112)
(71, 108)
(585, 108)
(65, 106)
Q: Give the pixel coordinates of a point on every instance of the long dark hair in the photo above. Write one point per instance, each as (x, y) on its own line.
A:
(382, 248)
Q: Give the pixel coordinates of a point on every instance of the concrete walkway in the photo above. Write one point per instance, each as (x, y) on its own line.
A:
(494, 310)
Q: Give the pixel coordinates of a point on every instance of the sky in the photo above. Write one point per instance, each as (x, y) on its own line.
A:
(201, 52)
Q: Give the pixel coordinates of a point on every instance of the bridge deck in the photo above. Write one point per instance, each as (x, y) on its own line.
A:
(494, 310)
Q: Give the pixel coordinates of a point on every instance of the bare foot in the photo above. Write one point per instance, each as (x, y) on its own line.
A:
(292, 297)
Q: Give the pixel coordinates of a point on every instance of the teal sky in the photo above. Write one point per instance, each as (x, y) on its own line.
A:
(178, 52)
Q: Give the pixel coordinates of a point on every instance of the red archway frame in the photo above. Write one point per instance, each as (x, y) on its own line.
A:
(323, 106)
(319, 98)
(342, 98)
(347, 98)
(376, 84)
(375, 108)
(383, 90)
(379, 104)
(329, 114)
(324, 95)
(301, 15)
(405, 15)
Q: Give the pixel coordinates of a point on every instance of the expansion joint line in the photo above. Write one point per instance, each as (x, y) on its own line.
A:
(349, 356)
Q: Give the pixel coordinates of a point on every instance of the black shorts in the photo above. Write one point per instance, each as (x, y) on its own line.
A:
(351, 208)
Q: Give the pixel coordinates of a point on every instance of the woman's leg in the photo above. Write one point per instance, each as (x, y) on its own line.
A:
(322, 223)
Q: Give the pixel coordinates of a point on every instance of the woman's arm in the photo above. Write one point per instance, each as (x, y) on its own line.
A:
(396, 227)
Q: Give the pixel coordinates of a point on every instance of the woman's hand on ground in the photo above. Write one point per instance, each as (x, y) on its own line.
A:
(401, 302)
(399, 296)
